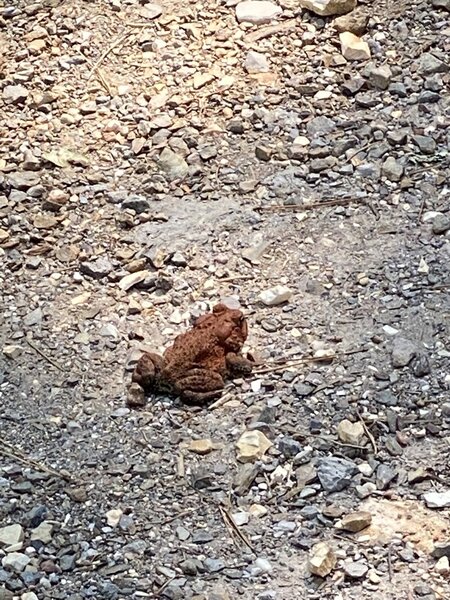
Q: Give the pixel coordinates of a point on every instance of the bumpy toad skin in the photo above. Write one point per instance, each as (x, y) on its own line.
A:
(195, 366)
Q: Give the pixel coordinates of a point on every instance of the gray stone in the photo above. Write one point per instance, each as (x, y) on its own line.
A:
(23, 180)
(441, 224)
(392, 169)
(441, 549)
(327, 8)
(15, 561)
(384, 476)
(403, 351)
(335, 474)
(445, 4)
(398, 89)
(380, 77)
(289, 447)
(136, 203)
(189, 567)
(355, 570)
(42, 533)
(257, 11)
(256, 62)
(11, 535)
(356, 22)
(320, 126)
(173, 165)
(426, 144)
(14, 94)
(429, 64)
(98, 268)
(214, 565)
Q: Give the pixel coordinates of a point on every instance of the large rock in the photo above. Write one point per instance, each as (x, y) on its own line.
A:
(322, 559)
(335, 474)
(326, 8)
(403, 351)
(173, 165)
(356, 22)
(353, 47)
(11, 535)
(257, 11)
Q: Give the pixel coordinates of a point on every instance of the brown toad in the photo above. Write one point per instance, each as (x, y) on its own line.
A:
(195, 366)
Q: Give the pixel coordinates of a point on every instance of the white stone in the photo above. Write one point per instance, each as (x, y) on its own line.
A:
(325, 8)
(11, 535)
(437, 499)
(442, 566)
(113, 517)
(257, 11)
(15, 561)
(256, 62)
(275, 295)
(353, 47)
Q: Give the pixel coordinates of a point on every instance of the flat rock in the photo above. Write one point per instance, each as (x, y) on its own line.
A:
(429, 64)
(11, 535)
(15, 561)
(326, 8)
(276, 295)
(355, 570)
(23, 180)
(335, 474)
(203, 446)
(256, 62)
(441, 224)
(392, 169)
(129, 281)
(14, 94)
(98, 268)
(42, 533)
(353, 47)
(257, 12)
(252, 445)
(437, 499)
(173, 165)
(355, 22)
(322, 559)
(356, 521)
(403, 351)
(445, 4)
(350, 433)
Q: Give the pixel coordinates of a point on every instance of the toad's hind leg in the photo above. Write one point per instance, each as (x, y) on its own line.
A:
(198, 386)
(147, 370)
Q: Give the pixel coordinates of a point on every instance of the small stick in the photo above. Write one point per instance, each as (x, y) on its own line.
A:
(334, 202)
(181, 471)
(389, 561)
(422, 206)
(11, 452)
(116, 43)
(221, 401)
(228, 518)
(306, 359)
(47, 358)
(164, 586)
(368, 433)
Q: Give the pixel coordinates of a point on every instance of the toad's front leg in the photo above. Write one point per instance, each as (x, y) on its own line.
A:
(238, 364)
(147, 371)
(198, 385)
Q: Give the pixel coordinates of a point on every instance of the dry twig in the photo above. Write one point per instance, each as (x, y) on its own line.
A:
(368, 433)
(116, 43)
(231, 526)
(47, 358)
(11, 452)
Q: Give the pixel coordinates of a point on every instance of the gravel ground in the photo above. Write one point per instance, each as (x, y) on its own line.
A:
(156, 160)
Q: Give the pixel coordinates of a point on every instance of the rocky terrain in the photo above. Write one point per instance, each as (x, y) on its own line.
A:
(287, 157)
